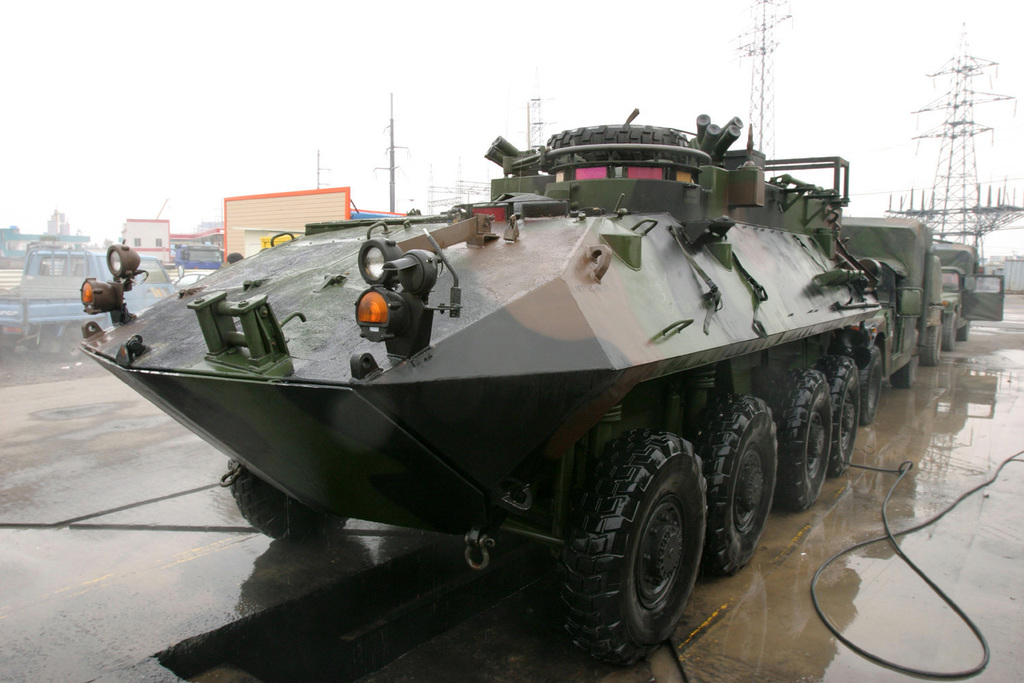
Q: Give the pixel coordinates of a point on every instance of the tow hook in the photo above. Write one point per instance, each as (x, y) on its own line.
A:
(477, 540)
(235, 470)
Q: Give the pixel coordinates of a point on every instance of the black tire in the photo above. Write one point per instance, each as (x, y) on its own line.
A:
(738, 450)
(843, 380)
(964, 332)
(931, 351)
(633, 546)
(870, 386)
(905, 376)
(271, 511)
(803, 419)
(949, 332)
(604, 135)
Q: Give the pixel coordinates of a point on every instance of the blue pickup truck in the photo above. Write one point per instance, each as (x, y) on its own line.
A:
(45, 311)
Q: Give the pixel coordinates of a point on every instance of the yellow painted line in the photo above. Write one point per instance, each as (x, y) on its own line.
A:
(91, 584)
(718, 612)
(200, 551)
(87, 585)
(793, 541)
(706, 624)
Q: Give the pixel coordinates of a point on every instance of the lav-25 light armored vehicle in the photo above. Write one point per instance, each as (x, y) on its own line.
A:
(634, 350)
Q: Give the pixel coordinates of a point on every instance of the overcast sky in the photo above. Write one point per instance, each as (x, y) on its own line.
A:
(109, 109)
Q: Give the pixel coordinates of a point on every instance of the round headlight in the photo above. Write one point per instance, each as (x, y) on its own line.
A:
(373, 261)
(122, 260)
(373, 254)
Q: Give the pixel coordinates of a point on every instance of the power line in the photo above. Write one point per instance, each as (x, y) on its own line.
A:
(956, 209)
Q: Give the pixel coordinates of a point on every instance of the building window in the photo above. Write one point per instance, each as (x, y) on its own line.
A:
(138, 241)
(159, 242)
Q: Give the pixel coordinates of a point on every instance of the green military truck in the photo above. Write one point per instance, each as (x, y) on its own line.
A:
(966, 294)
(900, 254)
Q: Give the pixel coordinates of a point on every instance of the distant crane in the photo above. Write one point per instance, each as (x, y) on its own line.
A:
(161, 211)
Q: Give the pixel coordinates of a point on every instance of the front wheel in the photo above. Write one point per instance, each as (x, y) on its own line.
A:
(931, 351)
(271, 511)
(870, 386)
(949, 332)
(964, 332)
(633, 546)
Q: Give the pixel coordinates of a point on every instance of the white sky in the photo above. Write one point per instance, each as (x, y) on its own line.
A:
(108, 109)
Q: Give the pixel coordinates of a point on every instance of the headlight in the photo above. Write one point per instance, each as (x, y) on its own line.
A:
(122, 261)
(373, 254)
(102, 297)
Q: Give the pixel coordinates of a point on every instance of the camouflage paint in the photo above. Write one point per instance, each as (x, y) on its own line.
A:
(605, 302)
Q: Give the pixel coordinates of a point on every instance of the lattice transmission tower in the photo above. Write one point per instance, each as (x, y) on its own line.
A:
(956, 210)
(534, 124)
(759, 46)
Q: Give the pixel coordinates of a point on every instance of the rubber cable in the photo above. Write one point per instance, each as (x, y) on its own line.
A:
(890, 536)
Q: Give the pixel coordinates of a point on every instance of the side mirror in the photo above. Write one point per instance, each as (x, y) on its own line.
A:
(909, 302)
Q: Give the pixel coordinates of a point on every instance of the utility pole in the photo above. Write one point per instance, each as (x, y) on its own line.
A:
(318, 169)
(391, 153)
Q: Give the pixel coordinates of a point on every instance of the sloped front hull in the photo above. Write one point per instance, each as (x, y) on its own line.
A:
(324, 445)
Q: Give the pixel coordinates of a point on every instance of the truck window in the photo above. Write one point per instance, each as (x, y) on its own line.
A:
(989, 285)
(950, 282)
(157, 274)
(53, 265)
(78, 265)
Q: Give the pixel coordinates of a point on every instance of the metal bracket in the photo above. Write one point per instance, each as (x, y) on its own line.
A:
(261, 334)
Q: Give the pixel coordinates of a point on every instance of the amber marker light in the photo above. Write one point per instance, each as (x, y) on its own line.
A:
(87, 293)
(372, 309)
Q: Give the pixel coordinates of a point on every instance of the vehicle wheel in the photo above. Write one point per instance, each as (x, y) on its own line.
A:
(843, 380)
(633, 546)
(870, 386)
(905, 376)
(963, 332)
(803, 419)
(271, 511)
(931, 352)
(949, 332)
(738, 450)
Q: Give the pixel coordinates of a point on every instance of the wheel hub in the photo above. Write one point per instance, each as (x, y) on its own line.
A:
(816, 444)
(847, 424)
(749, 490)
(660, 553)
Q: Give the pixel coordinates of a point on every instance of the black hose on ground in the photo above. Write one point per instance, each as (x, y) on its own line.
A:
(903, 469)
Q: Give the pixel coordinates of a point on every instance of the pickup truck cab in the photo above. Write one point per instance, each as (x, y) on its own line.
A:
(45, 311)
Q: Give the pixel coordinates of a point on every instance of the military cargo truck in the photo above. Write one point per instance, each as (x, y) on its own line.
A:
(983, 300)
(900, 254)
(631, 353)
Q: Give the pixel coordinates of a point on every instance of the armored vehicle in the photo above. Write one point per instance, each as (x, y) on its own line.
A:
(965, 297)
(631, 353)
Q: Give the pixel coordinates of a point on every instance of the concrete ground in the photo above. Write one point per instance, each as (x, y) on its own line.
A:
(116, 544)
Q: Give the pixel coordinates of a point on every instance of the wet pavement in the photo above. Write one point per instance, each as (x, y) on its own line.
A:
(116, 545)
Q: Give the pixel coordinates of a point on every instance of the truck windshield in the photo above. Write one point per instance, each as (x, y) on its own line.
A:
(950, 282)
(156, 273)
